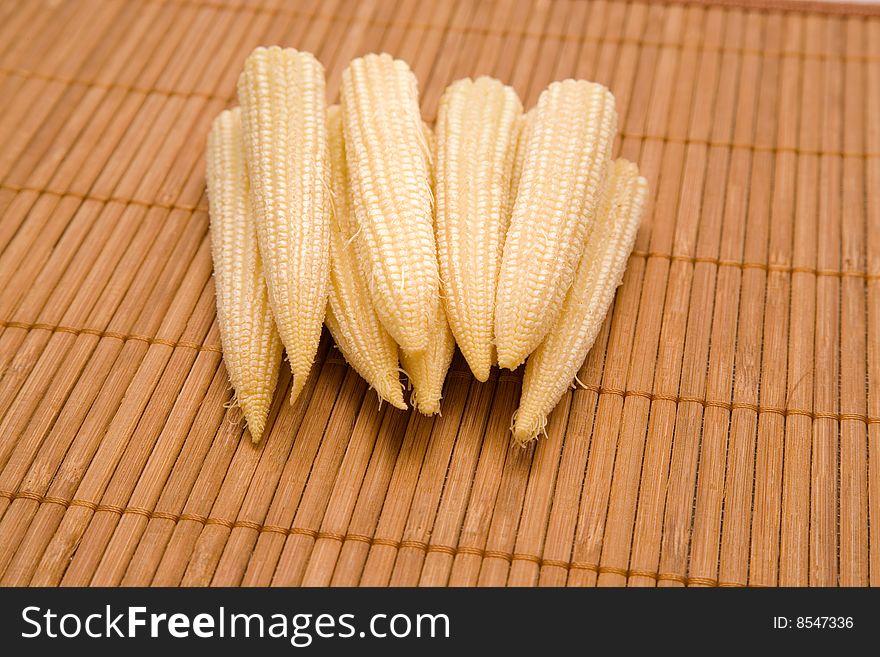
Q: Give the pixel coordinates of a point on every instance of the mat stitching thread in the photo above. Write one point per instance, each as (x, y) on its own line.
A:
(173, 93)
(103, 199)
(707, 403)
(529, 34)
(641, 254)
(95, 84)
(756, 148)
(785, 269)
(362, 538)
(730, 406)
(54, 328)
(601, 390)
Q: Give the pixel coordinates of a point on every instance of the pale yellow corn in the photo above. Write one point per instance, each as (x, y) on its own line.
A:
(389, 169)
(358, 333)
(285, 132)
(427, 369)
(525, 121)
(563, 171)
(478, 124)
(555, 363)
(251, 347)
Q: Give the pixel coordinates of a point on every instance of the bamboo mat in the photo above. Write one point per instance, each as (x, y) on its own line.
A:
(728, 427)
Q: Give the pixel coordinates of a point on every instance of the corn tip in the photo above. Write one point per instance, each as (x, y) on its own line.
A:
(428, 408)
(526, 427)
(510, 361)
(256, 412)
(480, 372)
(297, 385)
(393, 394)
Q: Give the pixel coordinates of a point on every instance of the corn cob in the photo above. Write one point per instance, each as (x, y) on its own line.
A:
(477, 129)
(351, 319)
(563, 172)
(389, 170)
(427, 369)
(285, 131)
(554, 364)
(251, 346)
(523, 129)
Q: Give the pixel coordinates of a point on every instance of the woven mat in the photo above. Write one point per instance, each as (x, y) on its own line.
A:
(728, 427)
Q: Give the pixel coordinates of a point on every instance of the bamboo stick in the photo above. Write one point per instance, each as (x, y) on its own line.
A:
(115, 546)
(314, 567)
(507, 514)
(764, 553)
(72, 113)
(853, 492)
(179, 375)
(27, 52)
(144, 539)
(794, 549)
(825, 466)
(104, 161)
(84, 469)
(202, 562)
(740, 466)
(441, 475)
(346, 569)
(633, 78)
(381, 555)
(872, 246)
(37, 376)
(17, 24)
(719, 379)
(37, 97)
(697, 231)
(463, 568)
(116, 108)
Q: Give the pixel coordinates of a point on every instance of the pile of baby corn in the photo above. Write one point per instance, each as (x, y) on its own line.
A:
(503, 232)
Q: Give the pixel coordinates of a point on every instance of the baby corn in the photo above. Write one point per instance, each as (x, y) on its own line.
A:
(555, 363)
(516, 174)
(285, 132)
(427, 369)
(361, 338)
(389, 169)
(569, 142)
(251, 346)
(478, 123)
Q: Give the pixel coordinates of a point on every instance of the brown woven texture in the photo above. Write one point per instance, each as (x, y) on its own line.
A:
(728, 426)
